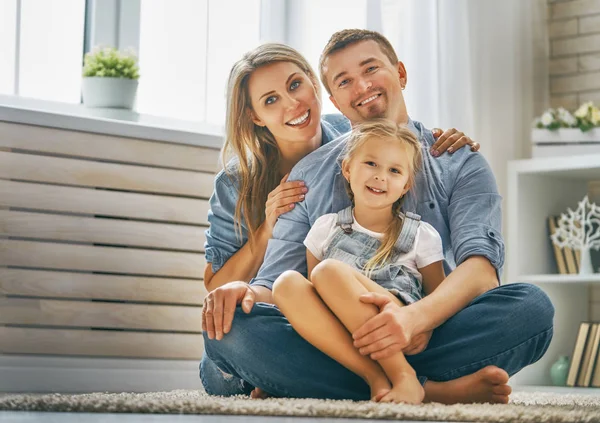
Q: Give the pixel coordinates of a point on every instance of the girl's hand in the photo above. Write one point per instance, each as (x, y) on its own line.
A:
(451, 140)
(282, 199)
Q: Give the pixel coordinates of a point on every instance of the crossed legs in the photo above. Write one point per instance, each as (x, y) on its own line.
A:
(326, 312)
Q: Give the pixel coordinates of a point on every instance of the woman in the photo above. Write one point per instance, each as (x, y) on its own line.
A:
(273, 121)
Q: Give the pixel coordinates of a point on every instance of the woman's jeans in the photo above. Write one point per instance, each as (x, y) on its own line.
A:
(509, 327)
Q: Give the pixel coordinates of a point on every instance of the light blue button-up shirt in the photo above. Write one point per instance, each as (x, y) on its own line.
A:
(456, 193)
(222, 240)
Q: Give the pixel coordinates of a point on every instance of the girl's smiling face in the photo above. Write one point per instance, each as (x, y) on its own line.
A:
(379, 172)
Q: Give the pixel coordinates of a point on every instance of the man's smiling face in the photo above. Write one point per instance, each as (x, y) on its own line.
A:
(364, 84)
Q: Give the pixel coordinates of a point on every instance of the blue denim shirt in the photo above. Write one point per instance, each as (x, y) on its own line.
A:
(456, 193)
(222, 240)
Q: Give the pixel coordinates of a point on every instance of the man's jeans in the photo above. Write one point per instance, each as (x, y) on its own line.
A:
(509, 326)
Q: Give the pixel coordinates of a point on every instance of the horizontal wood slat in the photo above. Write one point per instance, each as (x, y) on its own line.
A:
(100, 343)
(101, 231)
(106, 203)
(24, 311)
(29, 167)
(56, 284)
(106, 147)
(100, 259)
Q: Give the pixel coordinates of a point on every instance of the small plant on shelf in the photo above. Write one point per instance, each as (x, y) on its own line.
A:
(585, 118)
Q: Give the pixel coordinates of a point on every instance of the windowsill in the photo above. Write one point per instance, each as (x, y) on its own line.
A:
(119, 122)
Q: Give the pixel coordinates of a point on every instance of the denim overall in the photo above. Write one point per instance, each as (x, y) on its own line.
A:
(356, 248)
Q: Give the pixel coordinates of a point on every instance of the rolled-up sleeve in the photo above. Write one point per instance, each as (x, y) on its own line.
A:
(475, 213)
(222, 239)
(286, 250)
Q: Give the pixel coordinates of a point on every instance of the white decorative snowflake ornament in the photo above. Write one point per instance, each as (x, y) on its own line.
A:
(580, 230)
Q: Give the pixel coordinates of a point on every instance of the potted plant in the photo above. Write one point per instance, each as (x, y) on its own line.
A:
(565, 133)
(110, 78)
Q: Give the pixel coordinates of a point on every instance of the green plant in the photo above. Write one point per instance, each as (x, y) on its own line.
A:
(586, 118)
(109, 62)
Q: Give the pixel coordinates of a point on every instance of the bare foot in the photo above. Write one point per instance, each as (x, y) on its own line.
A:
(486, 385)
(380, 386)
(407, 389)
(258, 393)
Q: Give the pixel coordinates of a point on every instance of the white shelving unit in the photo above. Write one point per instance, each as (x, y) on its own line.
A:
(538, 188)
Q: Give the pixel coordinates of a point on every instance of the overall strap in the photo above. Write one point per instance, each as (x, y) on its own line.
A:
(408, 233)
(345, 219)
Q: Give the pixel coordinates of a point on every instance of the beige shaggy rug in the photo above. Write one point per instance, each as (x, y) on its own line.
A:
(524, 407)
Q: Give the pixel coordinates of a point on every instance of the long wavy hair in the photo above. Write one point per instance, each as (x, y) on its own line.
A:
(254, 146)
(389, 130)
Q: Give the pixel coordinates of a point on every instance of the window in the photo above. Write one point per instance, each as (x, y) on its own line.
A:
(186, 53)
(8, 35)
(41, 45)
(315, 21)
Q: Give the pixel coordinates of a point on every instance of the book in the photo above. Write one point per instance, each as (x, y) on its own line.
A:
(594, 196)
(577, 355)
(572, 263)
(558, 252)
(596, 372)
(589, 357)
(594, 192)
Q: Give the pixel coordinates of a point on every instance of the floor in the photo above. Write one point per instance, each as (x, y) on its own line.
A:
(35, 417)
(30, 417)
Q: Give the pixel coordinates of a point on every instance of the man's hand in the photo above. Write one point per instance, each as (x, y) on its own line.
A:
(418, 344)
(451, 140)
(389, 332)
(219, 307)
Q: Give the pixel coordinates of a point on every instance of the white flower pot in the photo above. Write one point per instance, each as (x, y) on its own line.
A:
(564, 142)
(109, 92)
(565, 135)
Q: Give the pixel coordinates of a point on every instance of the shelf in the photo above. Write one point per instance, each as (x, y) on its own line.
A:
(560, 279)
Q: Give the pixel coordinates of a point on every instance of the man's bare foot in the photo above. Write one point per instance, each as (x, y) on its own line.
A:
(486, 385)
(406, 388)
(258, 393)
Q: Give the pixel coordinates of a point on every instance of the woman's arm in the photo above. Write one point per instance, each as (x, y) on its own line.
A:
(242, 266)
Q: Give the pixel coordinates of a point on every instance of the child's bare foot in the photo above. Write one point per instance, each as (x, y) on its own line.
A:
(486, 385)
(407, 389)
(380, 386)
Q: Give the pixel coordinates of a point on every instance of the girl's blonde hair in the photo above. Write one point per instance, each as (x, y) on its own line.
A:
(389, 130)
(255, 147)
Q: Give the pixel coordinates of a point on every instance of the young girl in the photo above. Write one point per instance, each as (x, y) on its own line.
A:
(370, 247)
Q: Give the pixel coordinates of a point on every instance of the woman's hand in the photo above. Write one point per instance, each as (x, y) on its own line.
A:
(451, 140)
(282, 199)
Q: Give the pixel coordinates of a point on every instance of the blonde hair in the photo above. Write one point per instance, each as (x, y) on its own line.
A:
(254, 146)
(347, 37)
(389, 130)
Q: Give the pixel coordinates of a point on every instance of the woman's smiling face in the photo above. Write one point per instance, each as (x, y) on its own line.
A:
(285, 100)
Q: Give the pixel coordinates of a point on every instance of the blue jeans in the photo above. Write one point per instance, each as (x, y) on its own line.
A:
(509, 326)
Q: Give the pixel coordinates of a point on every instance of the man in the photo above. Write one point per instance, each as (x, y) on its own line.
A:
(463, 340)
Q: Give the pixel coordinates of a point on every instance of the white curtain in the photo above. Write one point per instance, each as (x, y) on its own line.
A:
(471, 65)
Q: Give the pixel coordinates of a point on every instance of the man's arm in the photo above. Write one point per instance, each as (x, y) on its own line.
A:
(475, 216)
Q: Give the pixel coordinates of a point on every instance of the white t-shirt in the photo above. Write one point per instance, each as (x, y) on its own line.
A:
(427, 247)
